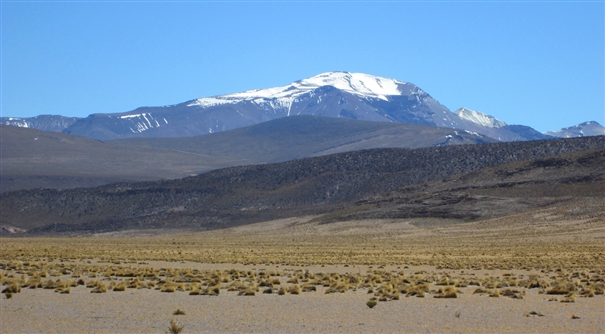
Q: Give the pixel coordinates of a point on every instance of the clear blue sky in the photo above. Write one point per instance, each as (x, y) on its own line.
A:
(535, 63)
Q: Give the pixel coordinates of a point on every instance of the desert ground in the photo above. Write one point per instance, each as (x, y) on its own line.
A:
(535, 272)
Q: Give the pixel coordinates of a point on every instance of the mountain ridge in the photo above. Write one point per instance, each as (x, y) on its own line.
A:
(590, 128)
(332, 94)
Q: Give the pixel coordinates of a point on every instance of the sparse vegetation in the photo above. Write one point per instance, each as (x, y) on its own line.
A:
(573, 271)
(534, 314)
(175, 328)
(178, 312)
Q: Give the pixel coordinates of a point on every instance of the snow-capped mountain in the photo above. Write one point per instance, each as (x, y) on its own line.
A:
(362, 85)
(333, 94)
(591, 128)
(479, 118)
(497, 129)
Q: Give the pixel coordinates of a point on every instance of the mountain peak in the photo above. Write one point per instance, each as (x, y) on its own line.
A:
(479, 118)
(590, 128)
(360, 84)
(355, 83)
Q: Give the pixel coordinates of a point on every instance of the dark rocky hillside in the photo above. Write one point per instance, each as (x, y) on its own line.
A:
(243, 195)
(576, 178)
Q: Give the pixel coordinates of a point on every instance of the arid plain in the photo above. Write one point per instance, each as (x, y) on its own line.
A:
(542, 270)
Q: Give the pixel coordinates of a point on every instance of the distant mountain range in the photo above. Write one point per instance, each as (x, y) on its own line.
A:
(354, 96)
(54, 123)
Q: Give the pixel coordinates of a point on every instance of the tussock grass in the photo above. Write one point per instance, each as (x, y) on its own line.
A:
(120, 287)
(294, 289)
(12, 288)
(174, 328)
(447, 292)
(99, 287)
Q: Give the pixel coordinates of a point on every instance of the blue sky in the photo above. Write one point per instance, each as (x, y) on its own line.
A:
(534, 63)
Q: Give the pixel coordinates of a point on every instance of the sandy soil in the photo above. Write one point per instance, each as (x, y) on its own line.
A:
(149, 311)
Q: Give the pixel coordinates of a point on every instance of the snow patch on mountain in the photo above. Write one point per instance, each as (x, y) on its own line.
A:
(210, 102)
(54, 123)
(355, 83)
(14, 121)
(479, 118)
(142, 122)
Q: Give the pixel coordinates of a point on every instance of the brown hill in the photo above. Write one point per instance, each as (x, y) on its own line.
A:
(37, 159)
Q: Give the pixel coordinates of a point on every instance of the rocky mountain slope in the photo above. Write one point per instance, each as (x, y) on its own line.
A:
(574, 179)
(243, 195)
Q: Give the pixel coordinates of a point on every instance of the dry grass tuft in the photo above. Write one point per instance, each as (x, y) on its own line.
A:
(447, 292)
(120, 287)
(561, 288)
(533, 314)
(495, 294)
(99, 287)
(12, 288)
(294, 290)
(174, 328)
